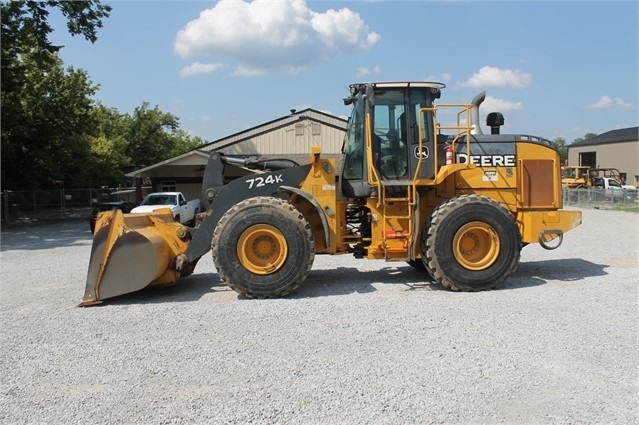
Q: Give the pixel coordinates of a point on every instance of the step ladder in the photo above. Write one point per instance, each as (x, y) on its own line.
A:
(406, 196)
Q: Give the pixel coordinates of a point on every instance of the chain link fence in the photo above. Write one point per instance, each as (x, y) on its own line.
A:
(19, 206)
(592, 197)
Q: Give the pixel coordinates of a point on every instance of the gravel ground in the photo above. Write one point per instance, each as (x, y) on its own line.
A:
(361, 342)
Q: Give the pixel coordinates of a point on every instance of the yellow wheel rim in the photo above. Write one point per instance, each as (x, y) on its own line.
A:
(476, 245)
(262, 249)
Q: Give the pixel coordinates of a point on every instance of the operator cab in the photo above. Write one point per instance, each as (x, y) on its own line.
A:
(391, 120)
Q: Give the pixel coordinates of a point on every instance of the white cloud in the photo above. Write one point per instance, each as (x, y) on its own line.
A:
(606, 102)
(200, 68)
(363, 72)
(489, 76)
(492, 104)
(443, 78)
(265, 36)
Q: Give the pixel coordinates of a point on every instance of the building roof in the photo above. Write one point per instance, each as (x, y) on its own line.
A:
(630, 134)
(306, 114)
(188, 159)
(188, 162)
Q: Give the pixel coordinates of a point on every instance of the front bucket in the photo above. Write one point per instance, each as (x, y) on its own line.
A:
(131, 252)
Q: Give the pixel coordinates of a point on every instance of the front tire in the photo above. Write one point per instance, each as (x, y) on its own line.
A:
(263, 247)
(471, 243)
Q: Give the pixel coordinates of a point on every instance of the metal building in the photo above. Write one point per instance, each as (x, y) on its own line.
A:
(289, 137)
(614, 149)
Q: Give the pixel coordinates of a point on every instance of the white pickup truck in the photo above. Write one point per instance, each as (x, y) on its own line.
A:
(183, 211)
(610, 188)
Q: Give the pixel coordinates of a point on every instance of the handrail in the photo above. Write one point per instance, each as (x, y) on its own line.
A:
(372, 176)
(461, 129)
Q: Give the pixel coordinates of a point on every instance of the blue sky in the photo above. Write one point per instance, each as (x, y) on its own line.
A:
(554, 69)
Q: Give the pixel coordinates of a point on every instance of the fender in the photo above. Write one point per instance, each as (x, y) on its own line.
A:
(318, 208)
(259, 184)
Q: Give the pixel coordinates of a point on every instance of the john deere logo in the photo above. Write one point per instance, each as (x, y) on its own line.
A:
(421, 152)
(490, 176)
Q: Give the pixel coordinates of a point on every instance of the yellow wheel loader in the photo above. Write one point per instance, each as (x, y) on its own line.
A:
(438, 195)
(575, 177)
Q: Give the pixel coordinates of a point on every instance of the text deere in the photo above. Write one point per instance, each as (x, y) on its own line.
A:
(487, 160)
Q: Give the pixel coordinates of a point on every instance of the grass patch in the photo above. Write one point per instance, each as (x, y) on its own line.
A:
(634, 207)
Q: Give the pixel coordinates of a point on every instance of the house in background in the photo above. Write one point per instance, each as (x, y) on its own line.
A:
(290, 137)
(613, 149)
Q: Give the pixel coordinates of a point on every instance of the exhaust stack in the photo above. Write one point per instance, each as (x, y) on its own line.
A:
(474, 113)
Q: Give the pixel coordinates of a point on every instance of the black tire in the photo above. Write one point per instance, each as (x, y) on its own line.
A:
(472, 243)
(417, 265)
(177, 218)
(263, 247)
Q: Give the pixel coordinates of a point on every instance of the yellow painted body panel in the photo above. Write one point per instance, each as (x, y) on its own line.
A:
(480, 178)
(321, 184)
(391, 234)
(396, 224)
(535, 224)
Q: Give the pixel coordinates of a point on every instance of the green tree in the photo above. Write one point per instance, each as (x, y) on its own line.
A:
(153, 136)
(44, 108)
(25, 29)
(53, 133)
(560, 143)
(586, 136)
(123, 142)
(45, 142)
(108, 146)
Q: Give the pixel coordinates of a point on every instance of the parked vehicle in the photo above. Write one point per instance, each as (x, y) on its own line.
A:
(575, 177)
(612, 173)
(611, 189)
(604, 184)
(101, 207)
(183, 211)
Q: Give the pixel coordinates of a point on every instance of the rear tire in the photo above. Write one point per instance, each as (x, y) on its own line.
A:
(417, 265)
(263, 247)
(471, 243)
